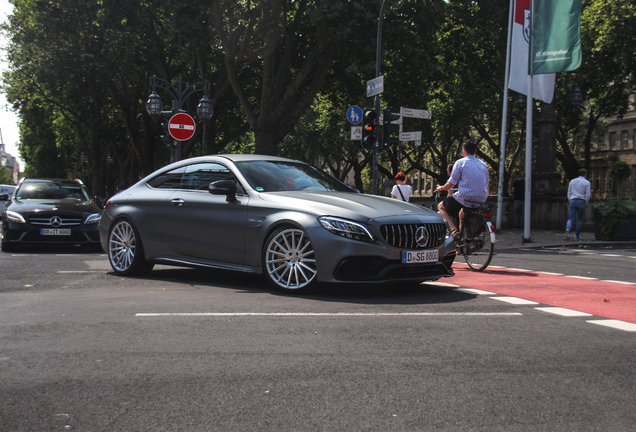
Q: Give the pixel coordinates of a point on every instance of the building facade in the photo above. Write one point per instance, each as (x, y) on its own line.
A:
(618, 144)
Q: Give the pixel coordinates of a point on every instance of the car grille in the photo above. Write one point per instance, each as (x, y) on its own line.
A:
(380, 269)
(46, 220)
(404, 236)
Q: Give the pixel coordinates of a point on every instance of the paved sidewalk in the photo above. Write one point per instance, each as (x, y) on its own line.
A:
(512, 239)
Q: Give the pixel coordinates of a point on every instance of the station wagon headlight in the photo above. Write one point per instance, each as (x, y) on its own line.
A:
(15, 217)
(93, 219)
(346, 228)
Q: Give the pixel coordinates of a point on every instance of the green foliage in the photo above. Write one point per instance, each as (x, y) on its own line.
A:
(613, 214)
(283, 73)
(620, 171)
(6, 176)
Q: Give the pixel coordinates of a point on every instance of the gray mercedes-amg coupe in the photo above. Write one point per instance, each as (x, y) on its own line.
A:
(282, 218)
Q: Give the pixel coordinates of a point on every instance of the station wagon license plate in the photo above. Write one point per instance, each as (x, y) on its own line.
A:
(410, 257)
(62, 231)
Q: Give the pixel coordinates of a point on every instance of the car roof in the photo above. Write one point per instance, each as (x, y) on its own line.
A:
(52, 180)
(254, 157)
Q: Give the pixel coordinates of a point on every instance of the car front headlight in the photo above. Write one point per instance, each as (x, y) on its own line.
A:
(93, 219)
(15, 217)
(346, 228)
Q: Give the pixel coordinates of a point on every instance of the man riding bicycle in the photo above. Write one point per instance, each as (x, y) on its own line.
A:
(471, 177)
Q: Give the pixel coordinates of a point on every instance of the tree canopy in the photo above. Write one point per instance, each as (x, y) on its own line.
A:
(282, 74)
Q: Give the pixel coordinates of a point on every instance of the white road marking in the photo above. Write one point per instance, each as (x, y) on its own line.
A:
(620, 282)
(581, 277)
(620, 325)
(442, 284)
(321, 314)
(82, 271)
(611, 255)
(518, 269)
(563, 311)
(550, 273)
(475, 291)
(515, 300)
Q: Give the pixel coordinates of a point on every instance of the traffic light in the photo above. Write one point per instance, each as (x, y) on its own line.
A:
(165, 134)
(368, 128)
(390, 128)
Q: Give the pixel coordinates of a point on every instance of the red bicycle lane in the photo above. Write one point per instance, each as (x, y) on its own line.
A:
(606, 299)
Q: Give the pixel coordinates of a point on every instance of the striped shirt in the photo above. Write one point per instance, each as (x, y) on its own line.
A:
(470, 176)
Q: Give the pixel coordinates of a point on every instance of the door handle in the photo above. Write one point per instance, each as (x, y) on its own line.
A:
(178, 202)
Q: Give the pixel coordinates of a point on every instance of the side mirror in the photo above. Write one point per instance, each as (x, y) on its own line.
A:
(224, 187)
(99, 201)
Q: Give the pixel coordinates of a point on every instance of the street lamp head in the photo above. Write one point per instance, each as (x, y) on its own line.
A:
(576, 97)
(154, 105)
(520, 100)
(205, 109)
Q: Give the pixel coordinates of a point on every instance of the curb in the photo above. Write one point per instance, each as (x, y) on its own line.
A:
(568, 244)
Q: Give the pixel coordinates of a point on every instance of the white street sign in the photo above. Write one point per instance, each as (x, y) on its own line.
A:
(356, 133)
(416, 113)
(375, 86)
(411, 136)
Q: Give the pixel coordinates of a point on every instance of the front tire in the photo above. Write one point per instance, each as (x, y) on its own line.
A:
(125, 251)
(289, 261)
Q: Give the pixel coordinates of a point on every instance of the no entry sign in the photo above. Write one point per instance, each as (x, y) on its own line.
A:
(181, 127)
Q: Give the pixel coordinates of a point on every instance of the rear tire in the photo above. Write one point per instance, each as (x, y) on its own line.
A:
(289, 261)
(125, 251)
(476, 248)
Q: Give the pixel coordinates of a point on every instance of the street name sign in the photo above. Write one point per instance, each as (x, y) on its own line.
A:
(181, 127)
(375, 86)
(411, 136)
(416, 113)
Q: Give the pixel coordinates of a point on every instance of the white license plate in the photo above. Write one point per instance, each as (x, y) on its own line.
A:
(411, 257)
(47, 231)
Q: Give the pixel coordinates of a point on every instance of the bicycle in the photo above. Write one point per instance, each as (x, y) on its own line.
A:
(477, 239)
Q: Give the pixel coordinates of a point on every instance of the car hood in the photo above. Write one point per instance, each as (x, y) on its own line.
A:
(29, 206)
(354, 206)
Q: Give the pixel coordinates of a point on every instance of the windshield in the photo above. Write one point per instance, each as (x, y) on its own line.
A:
(272, 176)
(52, 191)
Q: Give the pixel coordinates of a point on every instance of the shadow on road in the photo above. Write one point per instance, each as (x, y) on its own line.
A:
(403, 293)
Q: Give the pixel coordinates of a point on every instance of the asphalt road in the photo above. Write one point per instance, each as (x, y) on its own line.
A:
(191, 350)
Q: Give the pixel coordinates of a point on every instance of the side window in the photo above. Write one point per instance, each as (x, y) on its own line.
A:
(199, 176)
(168, 180)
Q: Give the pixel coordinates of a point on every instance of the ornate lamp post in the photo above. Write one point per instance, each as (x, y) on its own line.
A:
(179, 94)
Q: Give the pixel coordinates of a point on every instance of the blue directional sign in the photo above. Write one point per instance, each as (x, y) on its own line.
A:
(354, 114)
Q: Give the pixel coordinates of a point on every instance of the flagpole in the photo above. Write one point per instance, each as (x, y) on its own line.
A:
(504, 121)
(529, 106)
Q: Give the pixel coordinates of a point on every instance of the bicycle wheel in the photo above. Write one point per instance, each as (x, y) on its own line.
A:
(477, 248)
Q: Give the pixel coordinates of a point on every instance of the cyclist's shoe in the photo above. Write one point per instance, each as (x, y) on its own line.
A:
(567, 234)
(455, 233)
(577, 238)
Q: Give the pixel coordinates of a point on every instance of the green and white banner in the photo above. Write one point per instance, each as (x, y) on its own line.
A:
(556, 34)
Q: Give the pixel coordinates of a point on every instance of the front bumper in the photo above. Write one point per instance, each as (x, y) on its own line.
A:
(16, 233)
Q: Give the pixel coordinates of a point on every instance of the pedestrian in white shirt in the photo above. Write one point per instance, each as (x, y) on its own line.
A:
(401, 190)
(578, 195)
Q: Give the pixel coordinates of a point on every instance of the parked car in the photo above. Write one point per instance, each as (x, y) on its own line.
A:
(267, 215)
(50, 211)
(6, 191)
